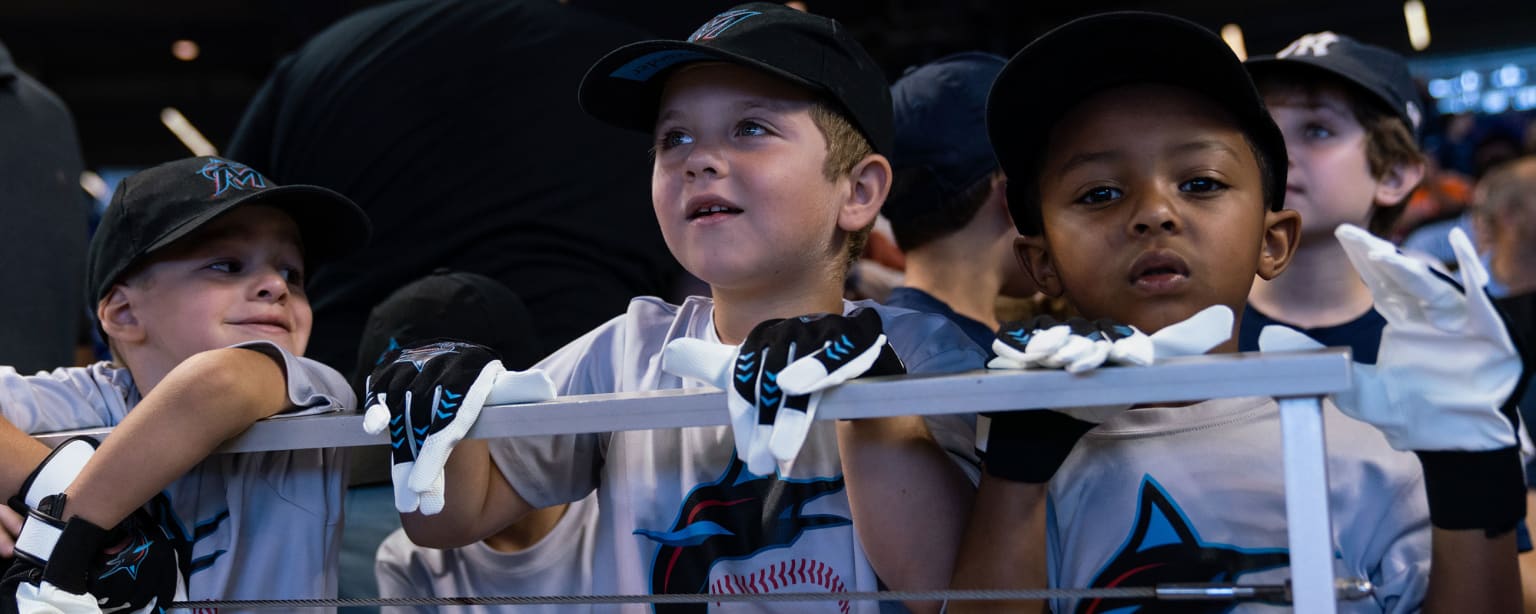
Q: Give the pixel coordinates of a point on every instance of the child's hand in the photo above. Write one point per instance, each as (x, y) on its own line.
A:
(773, 381)
(1447, 369)
(10, 527)
(428, 396)
(140, 565)
(1444, 382)
(1078, 345)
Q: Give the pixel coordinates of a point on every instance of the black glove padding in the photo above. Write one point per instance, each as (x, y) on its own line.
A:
(423, 388)
(804, 356)
(141, 565)
(1029, 446)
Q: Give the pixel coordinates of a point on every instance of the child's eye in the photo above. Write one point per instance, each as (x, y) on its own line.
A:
(1316, 131)
(226, 266)
(750, 128)
(293, 275)
(1102, 194)
(1202, 184)
(673, 138)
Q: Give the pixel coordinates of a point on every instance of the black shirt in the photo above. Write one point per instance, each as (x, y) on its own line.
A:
(1361, 335)
(454, 125)
(44, 225)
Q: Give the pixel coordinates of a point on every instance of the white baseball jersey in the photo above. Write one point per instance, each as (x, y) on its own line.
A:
(559, 564)
(680, 513)
(1196, 494)
(262, 525)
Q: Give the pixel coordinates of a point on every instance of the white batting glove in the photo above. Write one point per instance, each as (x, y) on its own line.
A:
(1078, 345)
(428, 397)
(1447, 366)
(774, 379)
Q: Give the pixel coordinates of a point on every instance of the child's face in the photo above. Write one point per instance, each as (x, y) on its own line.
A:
(738, 185)
(1330, 181)
(238, 278)
(1153, 209)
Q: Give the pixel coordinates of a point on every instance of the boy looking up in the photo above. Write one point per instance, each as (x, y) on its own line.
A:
(197, 275)
(1147, 189)
(772, 128)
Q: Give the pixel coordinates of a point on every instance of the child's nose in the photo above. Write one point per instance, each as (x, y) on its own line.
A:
(1155, 212)
(271, 285)
(705, 160)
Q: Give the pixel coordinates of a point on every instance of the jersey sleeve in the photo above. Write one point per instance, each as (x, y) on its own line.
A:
(64, 399)
(929, 343)
(313, 388)
(401, 573)
(555, 469)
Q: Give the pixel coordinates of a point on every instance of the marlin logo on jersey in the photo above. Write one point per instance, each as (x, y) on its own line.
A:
(1164, 547)
(225, 175)
(720, 23)
(735, 517)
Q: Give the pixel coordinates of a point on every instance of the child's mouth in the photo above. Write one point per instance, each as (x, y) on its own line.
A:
(1159, 271)
(712, 209)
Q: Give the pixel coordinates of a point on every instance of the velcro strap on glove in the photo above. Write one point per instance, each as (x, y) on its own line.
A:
(54, 474)
(1475, 490)
(1029, 446)
(65, 550)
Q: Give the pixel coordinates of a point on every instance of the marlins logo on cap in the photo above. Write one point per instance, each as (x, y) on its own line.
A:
(720, 23)
(226, 175)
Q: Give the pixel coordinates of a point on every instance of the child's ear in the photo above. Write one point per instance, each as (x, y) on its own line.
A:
(1393, 188)
(1035, 256)
(115, 312)
(869, 184)
(1282, 233)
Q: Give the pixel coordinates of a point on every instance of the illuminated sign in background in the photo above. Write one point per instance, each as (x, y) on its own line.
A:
(1490, 83)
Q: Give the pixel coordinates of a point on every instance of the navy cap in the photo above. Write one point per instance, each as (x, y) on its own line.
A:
(1056, 72)
(153, 208)
(941, 132)
(624, 87)
(1381, 73)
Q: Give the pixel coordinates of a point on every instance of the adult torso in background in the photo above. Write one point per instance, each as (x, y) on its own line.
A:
(454, 124)
(44, 219)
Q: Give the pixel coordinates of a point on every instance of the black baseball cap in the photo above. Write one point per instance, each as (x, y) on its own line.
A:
(1381, 73)
(1057, 71)
(624, 87)
(155, 207)
(454, 305)
(940, 110)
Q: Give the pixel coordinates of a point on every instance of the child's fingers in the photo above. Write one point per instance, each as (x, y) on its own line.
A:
(1418, 294)
(699, 360)
(10, 527)
(791, 427)
(809, 374)
(1207, 329)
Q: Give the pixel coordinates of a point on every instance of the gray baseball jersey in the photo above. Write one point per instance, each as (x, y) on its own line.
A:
(1196, 494)
(262, 525)
(680, 514)
(559, 564)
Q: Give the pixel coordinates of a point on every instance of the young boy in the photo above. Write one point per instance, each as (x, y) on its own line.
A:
(197, 277)
(947, 206)
(1148, 188)
(1350, 115)
(771, 129)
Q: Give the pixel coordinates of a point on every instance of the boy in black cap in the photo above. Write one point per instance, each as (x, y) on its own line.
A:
(771, 129)
(1148, 187)
(947, 206)
(197, 277)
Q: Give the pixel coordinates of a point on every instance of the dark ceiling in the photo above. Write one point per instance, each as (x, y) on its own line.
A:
(111, 61)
